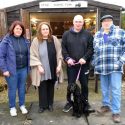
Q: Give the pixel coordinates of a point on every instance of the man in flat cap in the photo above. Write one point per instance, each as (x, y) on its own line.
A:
(109, 57)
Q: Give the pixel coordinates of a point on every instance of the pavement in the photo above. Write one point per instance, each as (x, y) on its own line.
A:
(57, 117)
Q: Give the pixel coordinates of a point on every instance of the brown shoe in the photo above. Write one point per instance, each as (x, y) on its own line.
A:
(104, 109)
(116, 118)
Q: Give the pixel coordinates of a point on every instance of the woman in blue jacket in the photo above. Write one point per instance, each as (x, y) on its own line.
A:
(14, 63)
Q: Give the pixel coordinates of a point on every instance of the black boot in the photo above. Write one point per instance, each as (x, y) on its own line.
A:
(41, 110)
(50, 108)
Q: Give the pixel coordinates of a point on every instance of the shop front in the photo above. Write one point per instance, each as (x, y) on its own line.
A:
(60, 15)
(61, 22)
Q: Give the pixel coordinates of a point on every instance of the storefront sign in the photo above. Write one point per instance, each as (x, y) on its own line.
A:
(64, 4)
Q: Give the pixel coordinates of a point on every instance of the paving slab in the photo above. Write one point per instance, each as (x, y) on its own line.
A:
(57, 117)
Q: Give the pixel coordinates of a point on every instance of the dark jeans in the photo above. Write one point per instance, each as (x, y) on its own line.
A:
(46, 93)
(72, 73)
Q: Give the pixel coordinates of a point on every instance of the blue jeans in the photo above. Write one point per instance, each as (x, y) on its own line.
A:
(111, 91)
(15, 82)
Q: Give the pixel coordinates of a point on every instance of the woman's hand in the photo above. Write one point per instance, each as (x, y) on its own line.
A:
(58, 69)
(40, 69)
(6, 74)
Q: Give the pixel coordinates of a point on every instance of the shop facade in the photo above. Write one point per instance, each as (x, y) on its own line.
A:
(60, 15)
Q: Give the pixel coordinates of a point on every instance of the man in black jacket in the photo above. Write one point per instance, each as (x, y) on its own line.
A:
(77, 50)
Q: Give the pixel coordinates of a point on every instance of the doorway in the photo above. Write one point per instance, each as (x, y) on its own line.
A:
(60, 22)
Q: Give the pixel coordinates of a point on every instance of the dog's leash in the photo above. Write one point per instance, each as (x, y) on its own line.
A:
(77, 78)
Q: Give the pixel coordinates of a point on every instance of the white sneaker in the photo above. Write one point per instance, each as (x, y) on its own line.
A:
(23, 109)
(13, 111)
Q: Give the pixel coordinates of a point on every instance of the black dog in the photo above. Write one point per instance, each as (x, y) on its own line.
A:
(79, 103)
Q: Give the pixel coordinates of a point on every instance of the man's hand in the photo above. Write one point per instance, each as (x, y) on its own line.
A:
(40, 69)
(82, 61)
(70, 62)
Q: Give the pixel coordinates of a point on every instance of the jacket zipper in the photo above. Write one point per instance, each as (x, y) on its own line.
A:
(20, 51)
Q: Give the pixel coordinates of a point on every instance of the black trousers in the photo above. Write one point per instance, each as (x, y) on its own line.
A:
(72, 73)
(46, 93)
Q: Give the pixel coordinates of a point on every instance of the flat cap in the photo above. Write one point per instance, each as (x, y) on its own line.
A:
(106, 17)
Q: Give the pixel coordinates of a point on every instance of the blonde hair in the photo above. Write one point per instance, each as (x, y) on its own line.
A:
(39, 34)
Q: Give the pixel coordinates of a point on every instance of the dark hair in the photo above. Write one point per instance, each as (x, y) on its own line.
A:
(39, 34)
(14, 24)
